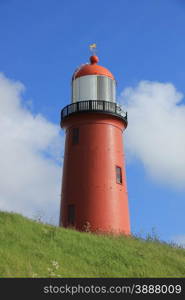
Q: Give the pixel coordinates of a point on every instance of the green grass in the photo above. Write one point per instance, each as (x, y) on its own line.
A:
(32, 249)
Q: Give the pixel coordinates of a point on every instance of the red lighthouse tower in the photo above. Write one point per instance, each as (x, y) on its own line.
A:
(94, 191)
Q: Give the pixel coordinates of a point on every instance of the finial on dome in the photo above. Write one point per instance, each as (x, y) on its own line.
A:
(94, 59)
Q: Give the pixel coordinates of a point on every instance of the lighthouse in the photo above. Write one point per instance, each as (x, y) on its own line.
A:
(94, 190)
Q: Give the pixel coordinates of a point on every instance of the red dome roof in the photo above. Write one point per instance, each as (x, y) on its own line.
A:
(92, 69)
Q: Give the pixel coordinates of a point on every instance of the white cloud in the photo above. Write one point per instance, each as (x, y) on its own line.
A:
(30, 175)
(156, 130)
(180, 240)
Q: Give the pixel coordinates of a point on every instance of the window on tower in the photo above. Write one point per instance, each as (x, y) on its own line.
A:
(118, 175)
(71, 214)
(75, 136)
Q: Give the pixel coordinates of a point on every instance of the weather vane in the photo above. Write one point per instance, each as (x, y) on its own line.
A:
(92, 48)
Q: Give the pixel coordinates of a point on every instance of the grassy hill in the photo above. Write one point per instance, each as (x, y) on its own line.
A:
(32, 249)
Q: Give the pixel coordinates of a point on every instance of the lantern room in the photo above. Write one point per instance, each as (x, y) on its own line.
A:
(93, 82)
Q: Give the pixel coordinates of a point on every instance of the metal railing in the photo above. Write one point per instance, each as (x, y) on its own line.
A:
(94, 106)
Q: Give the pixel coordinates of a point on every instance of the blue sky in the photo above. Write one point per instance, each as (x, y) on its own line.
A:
(42, 42)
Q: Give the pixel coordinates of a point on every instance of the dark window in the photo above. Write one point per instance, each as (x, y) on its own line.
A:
(71, 214)
(118, 175)
(75, 136)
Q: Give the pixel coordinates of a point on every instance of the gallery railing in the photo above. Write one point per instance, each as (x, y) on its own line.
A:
(94, 106)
